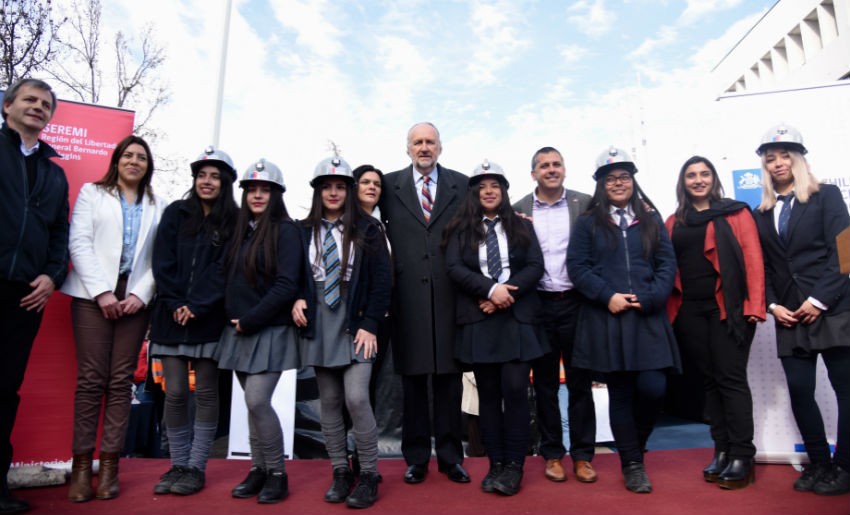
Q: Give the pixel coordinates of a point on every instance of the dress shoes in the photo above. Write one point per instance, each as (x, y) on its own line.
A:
(584, 471)
(739, 473)
(636, 479)
(713, 470)
(455, 473)
(835, 482)
(415, 473)
(10, 505)
(555, 470)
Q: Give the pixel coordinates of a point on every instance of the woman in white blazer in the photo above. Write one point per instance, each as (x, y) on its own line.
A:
(111, 242)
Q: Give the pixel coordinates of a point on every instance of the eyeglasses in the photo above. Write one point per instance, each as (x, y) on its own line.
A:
(625, 178)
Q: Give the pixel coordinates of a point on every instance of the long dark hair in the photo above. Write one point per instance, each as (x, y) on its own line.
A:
(351, 211)
(109, 181)
(642, 207)
(715, 194)
(467, 220)
(264, 236)
(218, 224)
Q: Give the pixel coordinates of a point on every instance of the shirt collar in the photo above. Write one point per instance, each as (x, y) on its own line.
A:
(29, 151)
(612, 210)
(539, 202)
(434, 175)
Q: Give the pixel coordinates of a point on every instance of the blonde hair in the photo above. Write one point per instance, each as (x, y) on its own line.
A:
(805, 183)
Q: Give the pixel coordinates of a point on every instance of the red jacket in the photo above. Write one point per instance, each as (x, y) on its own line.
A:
(744, 229)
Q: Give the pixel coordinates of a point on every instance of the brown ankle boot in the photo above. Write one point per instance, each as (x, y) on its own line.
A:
(107, 485)
(80, 489)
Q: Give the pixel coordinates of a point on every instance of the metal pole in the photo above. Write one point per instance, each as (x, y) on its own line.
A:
(222, 67)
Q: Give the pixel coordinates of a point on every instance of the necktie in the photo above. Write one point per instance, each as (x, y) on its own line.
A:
(330, 257)
(623, 223)
(427, 200)
(784, 214)
(494, 259)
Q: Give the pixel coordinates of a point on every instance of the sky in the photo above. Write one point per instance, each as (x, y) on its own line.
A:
(499, 79)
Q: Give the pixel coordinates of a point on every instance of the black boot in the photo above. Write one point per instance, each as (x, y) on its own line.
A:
(490, 478)
(835, 482)
(812, 475)
(636, 479)
(507, 482)
(343, 479)
(713, 470)
(366, 491)
(251, 485)
(9, 504)
(275, 489)
(739, 473)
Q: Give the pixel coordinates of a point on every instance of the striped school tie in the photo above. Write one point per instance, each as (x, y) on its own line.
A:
(622, 223)
(494, 259)
(427, 200)
(330, 257)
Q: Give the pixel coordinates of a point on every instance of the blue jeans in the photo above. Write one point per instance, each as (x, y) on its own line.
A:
(563, 403)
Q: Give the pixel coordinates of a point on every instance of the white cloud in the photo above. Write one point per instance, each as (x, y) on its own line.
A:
(572, 53)
(314, 23)
(497, 39)
(591, 17)
(696, 9)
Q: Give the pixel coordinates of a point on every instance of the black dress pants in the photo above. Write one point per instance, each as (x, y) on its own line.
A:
(722, 362)
(444, 403)
(18, 328)
(560, 311)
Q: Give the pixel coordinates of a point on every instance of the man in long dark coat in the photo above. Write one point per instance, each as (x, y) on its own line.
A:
(417, 204)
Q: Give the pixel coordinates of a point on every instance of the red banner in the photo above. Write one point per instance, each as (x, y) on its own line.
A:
(84, 135)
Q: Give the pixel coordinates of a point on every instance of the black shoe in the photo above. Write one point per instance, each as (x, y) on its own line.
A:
(713, 470)
(251, 485)
(168, 479)
(415, 473)
(739, 473)
(812, 474)
(492, 474)
(455, 473)
(507, 482)
(634, 475)
(9, 504)
(341, 485)
(365, 492)
(275, 489)
(835, 482)
(191, 482)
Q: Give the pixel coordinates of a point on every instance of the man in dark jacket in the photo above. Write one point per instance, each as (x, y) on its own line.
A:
(33, 246)
(417, 204)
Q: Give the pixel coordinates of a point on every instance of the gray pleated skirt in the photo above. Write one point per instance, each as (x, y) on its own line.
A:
(273, 349)
(184, 350)
(332, 345)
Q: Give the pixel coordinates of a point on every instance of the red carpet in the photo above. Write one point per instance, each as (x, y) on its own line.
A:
(676, 477)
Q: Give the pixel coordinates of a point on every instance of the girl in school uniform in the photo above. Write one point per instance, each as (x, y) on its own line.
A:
(494, 259)
(263, 267)
(345, 294)
(188, 316)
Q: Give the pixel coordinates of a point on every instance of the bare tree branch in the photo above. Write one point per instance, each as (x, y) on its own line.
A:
(27, 38)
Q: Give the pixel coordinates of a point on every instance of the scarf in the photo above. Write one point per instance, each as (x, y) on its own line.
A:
(733, 280)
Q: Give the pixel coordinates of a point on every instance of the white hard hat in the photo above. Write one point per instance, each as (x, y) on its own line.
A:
(214, 156)
(485, 169)
(332, 167)
(782, 135)
(611, 159)
(263, 171)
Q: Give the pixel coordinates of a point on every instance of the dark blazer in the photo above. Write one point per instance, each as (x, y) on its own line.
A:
(807, 265)
(526, 269)
(368, 295)
(423, 304)
(186, 271)
(269, 302)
